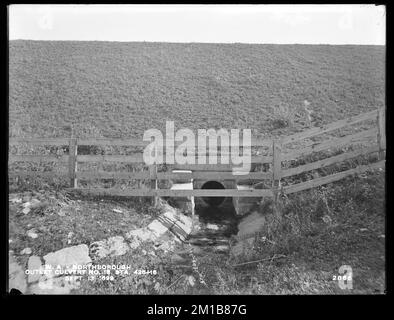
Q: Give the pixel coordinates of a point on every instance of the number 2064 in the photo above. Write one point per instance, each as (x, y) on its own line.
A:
(344, 278)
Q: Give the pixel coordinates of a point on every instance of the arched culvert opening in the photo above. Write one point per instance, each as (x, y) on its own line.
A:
(213, 201)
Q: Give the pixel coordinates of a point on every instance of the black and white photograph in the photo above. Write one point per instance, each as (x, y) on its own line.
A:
(214, 150)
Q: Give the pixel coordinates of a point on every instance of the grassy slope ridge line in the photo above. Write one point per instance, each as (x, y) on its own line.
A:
(115, 90)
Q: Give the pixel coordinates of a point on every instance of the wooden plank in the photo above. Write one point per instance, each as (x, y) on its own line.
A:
(140, 143)
(138, 158)
(203, 167)
(133, 142)
(153, 186)
(213, 175)
(110, 158)
(177, 193)
(253, 159)
(277, 160)
(329, 127)
(144, 175)
(261, 142)
(72, 162)
(37, 173)
(138, 175)
(261, 159)
(328, 161)
(112, 142)
(276, 168)
(331, 178)
(37, 158)
(381, 123)
(332, 143)
(40, 141)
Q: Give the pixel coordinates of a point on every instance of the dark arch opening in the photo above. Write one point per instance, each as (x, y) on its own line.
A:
(213, 201)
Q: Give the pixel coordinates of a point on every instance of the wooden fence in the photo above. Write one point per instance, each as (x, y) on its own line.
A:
(274, 159)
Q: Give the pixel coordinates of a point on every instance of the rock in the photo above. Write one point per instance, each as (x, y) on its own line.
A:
(117, 246)
(157, 231)
(181, 225)
(196, 249)
(26, 204)
(157, 286)
(143, 234)
(26, 198)
(16, 276)
(168, 245)
(61, 212)
(9, 240)
(382, 236)
(158, 228)
(212, 226)
(191, 281)
(176, 258)
(76, 255)
(327, 219)
(251, 224)
(69, 237)
(32, 233)
(26, 251)
(221, 248)
(114, 246)
(60, 285)
(117, 210)
(98, 250)
(363, 229)
(34, 266)
(241, 247)
(247, 228)
(12, 195)
(16, 200)
(35, 203)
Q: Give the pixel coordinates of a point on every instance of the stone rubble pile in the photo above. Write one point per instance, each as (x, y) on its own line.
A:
(169, 229)
(247, 228)
(42, 201)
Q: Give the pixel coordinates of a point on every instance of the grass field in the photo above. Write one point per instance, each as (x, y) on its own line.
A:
(110, 89)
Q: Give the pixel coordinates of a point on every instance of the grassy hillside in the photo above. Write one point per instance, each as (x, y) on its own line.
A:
(109, 89)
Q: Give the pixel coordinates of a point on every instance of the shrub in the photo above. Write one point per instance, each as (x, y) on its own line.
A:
(283, 116)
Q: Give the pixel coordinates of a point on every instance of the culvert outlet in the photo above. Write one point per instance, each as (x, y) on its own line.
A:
(213, 201)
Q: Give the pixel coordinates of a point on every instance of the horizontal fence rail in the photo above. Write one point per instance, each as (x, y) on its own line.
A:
(179, 193)
(37, 158)
(328, 161)
(331, 178)
(221, 171)
(329, 127)
(332, 143)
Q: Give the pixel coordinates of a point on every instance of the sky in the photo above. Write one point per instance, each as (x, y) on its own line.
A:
(282, 24)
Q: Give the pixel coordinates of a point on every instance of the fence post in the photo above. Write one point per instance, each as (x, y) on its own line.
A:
(381, 122)
(276, 167)
(153, 178)
(72, 161)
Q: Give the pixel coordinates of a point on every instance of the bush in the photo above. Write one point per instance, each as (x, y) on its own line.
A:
(283, 116)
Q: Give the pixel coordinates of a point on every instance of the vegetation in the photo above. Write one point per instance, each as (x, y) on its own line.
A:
(319, 231)
(109, 89)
